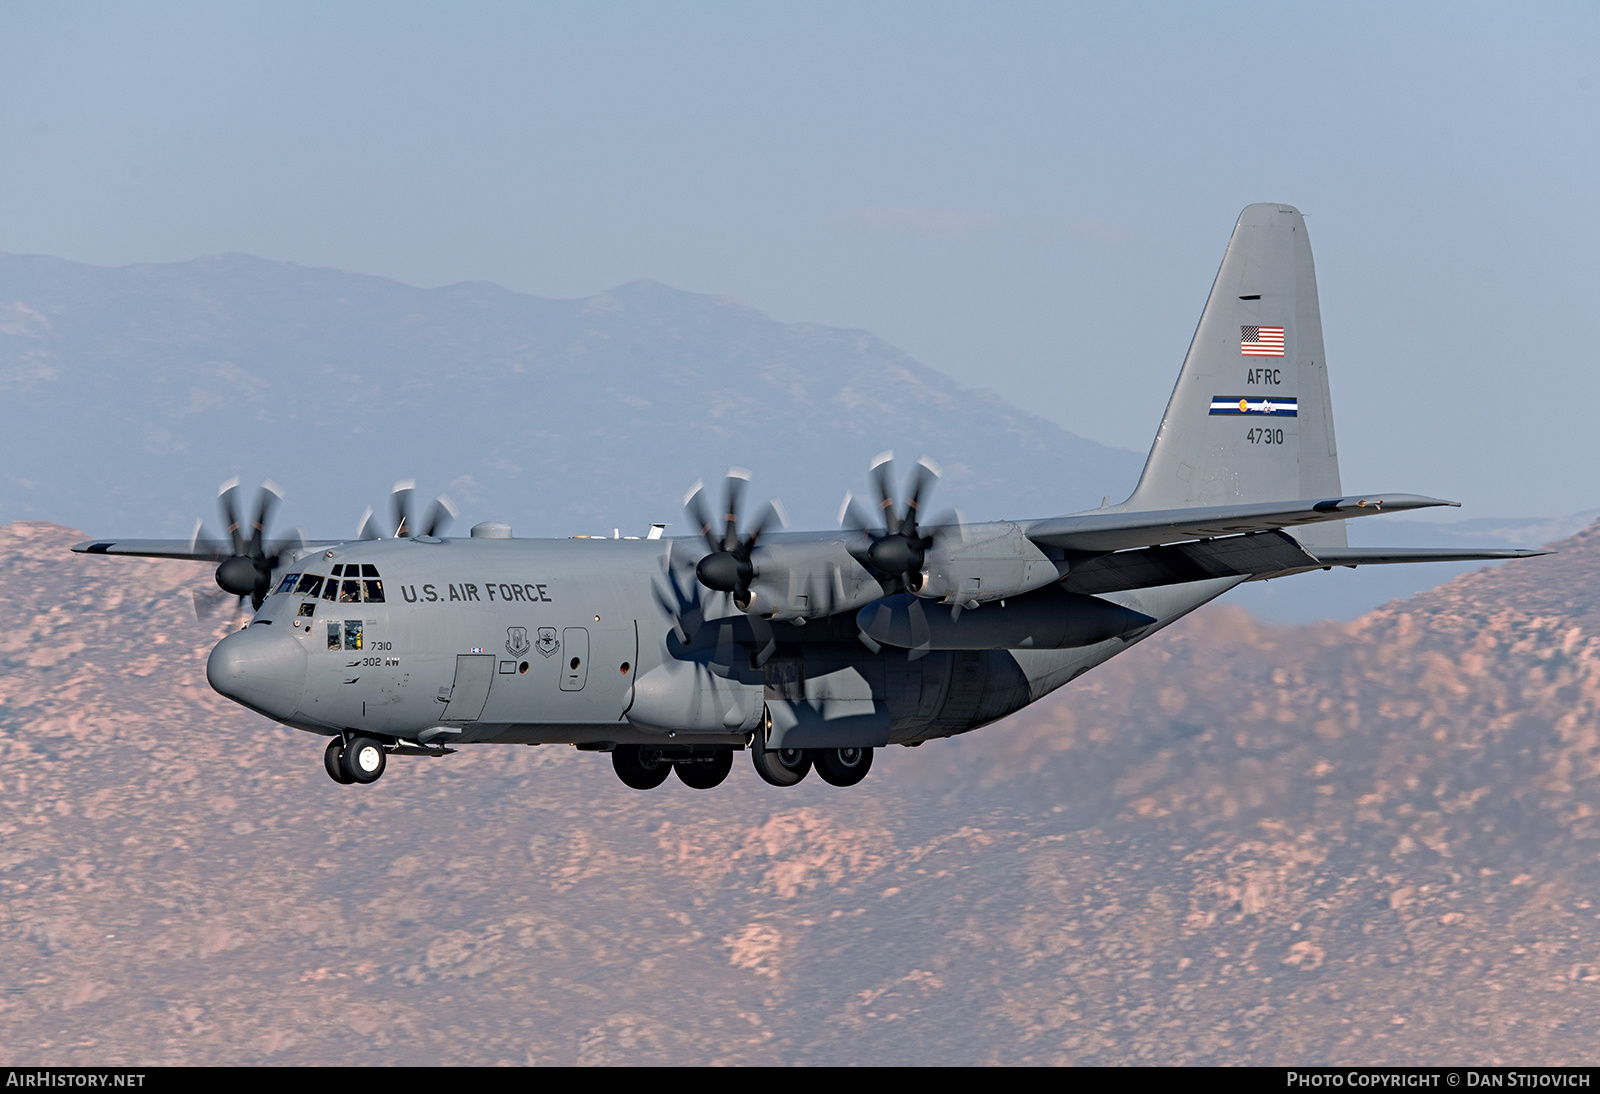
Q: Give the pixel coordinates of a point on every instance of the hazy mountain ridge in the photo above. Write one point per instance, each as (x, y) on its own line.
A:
(154, 382)
(1235, 843)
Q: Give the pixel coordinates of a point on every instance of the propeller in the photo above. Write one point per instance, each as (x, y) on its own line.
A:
(897, 551)
(248, 558)
(401, 525)
(728, 568)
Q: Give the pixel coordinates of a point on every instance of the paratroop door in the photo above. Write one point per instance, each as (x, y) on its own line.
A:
(473, 675)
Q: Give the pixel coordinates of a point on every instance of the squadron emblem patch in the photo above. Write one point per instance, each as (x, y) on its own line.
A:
(517, 641)
(547, 644)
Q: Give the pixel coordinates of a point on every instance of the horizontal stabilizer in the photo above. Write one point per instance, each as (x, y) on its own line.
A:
(1118, 531)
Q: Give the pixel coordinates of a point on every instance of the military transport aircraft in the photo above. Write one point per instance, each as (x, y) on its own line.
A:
(806, 649)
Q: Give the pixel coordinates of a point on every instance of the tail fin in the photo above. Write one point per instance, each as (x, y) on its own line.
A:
(1250, 418)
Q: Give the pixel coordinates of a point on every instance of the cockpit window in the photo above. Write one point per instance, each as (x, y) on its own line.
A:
(310, 585)
(287, 584)
(374, 589)
(368, 570)
(351, 593)
(339, 569)
(330, 591)
(334, 627)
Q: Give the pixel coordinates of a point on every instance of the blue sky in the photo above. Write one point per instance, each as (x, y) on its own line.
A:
(1029, 197)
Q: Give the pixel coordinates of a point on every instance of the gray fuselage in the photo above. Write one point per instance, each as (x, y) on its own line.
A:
(581, 641)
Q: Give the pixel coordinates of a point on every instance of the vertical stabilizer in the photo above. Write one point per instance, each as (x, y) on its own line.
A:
(1250, 418)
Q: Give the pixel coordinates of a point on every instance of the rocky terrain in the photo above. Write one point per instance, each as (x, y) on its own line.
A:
(1237, 843)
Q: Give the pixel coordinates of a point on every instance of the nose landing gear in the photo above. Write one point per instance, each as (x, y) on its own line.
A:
(361, 760)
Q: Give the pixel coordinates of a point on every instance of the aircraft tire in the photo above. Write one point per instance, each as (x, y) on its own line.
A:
(780, 766)
(331, 760)
(842, 766)
(363, 760)
(704, 774)
(632, 767)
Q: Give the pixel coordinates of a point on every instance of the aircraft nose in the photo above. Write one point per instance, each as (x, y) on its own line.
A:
(264, 671)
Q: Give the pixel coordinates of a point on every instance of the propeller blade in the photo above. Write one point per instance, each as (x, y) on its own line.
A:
(764, 638)
(853, 516)
(227, 501)
(267, 499)
(695, 505)
(200, 540)
(440, 516)
(279, 546)
(368, 528)
(207, 603)
(733, 491)
(921, 636)
(883, 481)
(771, 516)
(922, 479)
(400, 506)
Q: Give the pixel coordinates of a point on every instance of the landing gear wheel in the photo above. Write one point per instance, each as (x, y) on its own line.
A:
(703, 773)
(842, 766)
(331, 760)
(639, 769)
(780, 766)
(363, 760)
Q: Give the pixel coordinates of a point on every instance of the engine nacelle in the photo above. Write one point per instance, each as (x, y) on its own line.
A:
(978, 563)
(809, 581)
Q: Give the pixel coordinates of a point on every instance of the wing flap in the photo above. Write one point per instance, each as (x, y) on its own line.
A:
(1145, 567)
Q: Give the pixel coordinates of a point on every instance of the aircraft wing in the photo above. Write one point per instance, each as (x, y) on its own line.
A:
(1379, 556)
(1118, 531)
(1255, 556)
(194, 550)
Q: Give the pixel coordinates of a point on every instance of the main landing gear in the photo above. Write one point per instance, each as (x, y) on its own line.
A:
(645, 767)
(361, 760)
(787, 766)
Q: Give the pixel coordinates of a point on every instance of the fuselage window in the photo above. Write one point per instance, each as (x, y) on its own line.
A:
(374, 589)
(310, 585)
(351, 593)
(287, 584)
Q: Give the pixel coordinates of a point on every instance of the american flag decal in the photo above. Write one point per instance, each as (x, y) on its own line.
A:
(1261, 341)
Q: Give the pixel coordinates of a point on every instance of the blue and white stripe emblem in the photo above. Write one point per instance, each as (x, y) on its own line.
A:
(1276, 406)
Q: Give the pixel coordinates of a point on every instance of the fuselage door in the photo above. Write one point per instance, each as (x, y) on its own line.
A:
(575, 658)
(474, 672)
